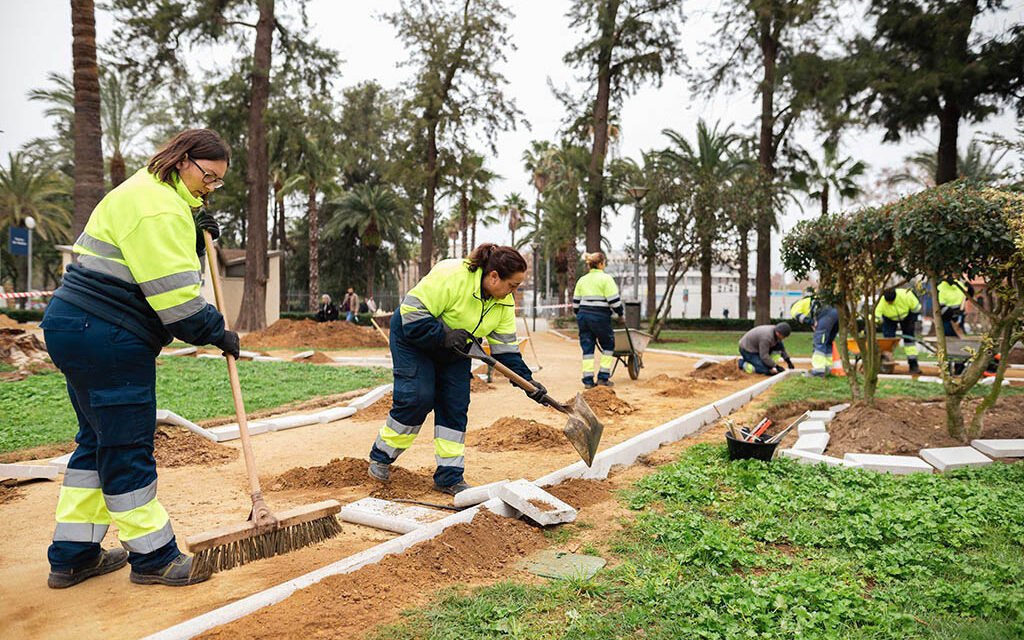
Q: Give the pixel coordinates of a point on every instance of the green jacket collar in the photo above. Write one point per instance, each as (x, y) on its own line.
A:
(179, 188)
(478, 292)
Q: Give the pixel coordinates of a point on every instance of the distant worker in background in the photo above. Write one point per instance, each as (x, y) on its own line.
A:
(953, 295)
(594, 299)
(898, 309)
(825, 321)
(328, 311)
(757, 346)
(725, 313)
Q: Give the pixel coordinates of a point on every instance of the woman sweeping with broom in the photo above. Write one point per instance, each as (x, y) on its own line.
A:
(135, 285)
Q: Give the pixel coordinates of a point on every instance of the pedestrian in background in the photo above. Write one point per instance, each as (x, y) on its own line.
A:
(328, 311)
(350, 305)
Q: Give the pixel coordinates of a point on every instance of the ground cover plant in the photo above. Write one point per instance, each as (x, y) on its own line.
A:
(37, 411)
(778, 550)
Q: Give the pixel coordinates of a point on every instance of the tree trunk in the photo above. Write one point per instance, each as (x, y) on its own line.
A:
(595, 172)
(705, 275)
(117, 169)
(371, 271)
(314, 248)
(824, 200)
(427, 244)
(949, 123)
(464, 222)
(766, 159)
(744, 259)
(472, 239)
(650, 237)
(955, 415)
(253, 313)
(87, 128)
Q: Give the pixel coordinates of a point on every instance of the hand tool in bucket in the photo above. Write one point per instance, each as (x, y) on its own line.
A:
(264, 534)
(583, 429)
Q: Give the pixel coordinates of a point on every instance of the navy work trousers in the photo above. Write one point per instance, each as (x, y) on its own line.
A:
(111, 381)
(596, 329)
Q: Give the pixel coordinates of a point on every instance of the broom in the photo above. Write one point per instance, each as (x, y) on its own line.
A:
(263, 535)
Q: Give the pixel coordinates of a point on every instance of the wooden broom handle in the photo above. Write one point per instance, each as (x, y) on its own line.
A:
(261, 514)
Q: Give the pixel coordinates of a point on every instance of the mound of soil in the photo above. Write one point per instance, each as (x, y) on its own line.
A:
(786, 413)
(316, 335)
(604, 402)
(904, 427)
(476, 385)
(23, 351)
(9, 493)
(7, 322)
(722, 371)
(581, 493)
(318, 357)
(1016, 355)
(178, 447)
(376, 411)
(517, 434)
(351, 472)
(670, 387)
(349, 605)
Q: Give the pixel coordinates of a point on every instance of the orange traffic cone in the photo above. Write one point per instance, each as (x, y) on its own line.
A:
(837, 363)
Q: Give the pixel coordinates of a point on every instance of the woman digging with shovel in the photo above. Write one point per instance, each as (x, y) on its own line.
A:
(457, 303)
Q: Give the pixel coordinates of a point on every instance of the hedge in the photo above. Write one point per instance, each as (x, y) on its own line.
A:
(23, 315)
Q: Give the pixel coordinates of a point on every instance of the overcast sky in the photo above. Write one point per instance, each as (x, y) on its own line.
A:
(36, 37)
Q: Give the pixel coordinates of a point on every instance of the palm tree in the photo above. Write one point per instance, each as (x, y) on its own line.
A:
(712, 164)
(88, 129)
(514, 210)
(818, 179)
(376, 214)
(469, 182)
(978, 164)
(29, 189)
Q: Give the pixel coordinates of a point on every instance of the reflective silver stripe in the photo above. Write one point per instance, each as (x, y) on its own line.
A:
(81, 479)
(613, 301)
(79, 532)
(106, 266)
(181, 311)
(127, 501)
(99, 247)
(169, 283)
(391, 452)
(605, 370)
(402, 429)
(414, 316)
(451, 435)
(507, 338)
(498, 348)
(151, 541)
(459, 462)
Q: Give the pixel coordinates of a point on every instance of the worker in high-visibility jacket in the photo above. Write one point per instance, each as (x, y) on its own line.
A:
(825, 321)
(135, 285)
(953, 294)
(594, 299)
(458, 302)
(899, 309)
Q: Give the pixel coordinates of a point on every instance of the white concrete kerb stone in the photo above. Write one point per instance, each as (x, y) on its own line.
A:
(370, 397)
(810, 426)
(29, 471)
(389, 516)
(823, 416)
(950, 458)
(997, 448)
(896, 465)
(808, 457)
(534, 502)
(812, 442)
(476, 495)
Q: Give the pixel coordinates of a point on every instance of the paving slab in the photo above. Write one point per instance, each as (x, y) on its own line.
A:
(1000, 448)
(561, 565)
(60, 463)
(896, 465)
(476, 495)
(281, 423)
(29, 471)
(811, 426)
(949, 458)
(541, 507)
(187, 351)
(808, 457)
(335, 414)
(813, 442)
(825, 416)
(303, 355)
(390, 516)
(704, 363)
(230, 431)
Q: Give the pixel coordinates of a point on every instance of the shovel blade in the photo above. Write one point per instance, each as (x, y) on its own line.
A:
(583, 430)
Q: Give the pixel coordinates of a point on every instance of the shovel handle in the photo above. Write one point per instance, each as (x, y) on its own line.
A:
(476, 352)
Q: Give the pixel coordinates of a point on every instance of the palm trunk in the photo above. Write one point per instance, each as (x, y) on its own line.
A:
(253, 314)
(766, 159)
(744, 260)
(464, 222)
(595, 171)
(87, 128)
(314, 248)
(371, 271)
(949, 123)
(427, 244)
(705, 274)
(824, 200)
(117, 169)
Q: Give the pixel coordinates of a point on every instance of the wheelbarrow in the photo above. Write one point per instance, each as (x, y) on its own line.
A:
(885, 346)
(629, 350)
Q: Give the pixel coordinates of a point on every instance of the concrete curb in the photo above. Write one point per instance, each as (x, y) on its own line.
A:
(622, 454)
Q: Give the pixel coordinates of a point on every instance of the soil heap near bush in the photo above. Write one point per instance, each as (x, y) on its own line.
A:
(316, 335)
(510, 433)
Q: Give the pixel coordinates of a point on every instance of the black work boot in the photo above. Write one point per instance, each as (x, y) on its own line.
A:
(915, 369)
(588, 383)
(451, 490)
(176, 573)
(380, 471)
(106, 562)
(605, 383)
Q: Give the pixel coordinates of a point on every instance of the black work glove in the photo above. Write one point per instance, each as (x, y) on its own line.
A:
(789, 363)
(229, 344)
(206, 222)
(537, 395)
(457, 340)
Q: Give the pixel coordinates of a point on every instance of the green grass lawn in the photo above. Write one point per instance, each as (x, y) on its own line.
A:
(37, 411)
(720, 550)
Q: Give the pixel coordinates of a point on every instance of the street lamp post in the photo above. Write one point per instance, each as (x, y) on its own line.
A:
(30, 224)
(637, 193)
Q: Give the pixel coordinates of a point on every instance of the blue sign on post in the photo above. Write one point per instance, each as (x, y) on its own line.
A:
(19, 241)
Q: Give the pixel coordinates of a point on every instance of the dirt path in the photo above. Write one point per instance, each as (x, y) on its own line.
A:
(201, 497)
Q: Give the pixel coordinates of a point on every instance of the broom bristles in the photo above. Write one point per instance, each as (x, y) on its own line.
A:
(266, 545)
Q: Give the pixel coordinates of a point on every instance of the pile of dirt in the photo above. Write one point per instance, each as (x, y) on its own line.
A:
(581, 493)
(349, 605)
(517, 434)
(378, 410)
(178, 447)
(1016, 355)
(604, 402)
(24, 352)
(352, 472)
(316, 335)
(722, 371)
(9, 493)
(670, 387)
(7, 322)
(318, 357)
(904, 427)
(476, 385)
(785, 413)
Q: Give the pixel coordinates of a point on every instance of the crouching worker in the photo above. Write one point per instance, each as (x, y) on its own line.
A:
(458, 301)
(825, 321)
(135, 286)
(757, 345)
(898, 309)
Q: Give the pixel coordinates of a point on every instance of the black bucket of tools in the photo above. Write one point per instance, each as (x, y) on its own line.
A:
(746, 444)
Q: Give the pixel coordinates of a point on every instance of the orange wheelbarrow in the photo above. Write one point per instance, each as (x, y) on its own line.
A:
(885, 345)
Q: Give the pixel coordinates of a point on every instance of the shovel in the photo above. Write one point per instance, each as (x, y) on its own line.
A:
(583, 429)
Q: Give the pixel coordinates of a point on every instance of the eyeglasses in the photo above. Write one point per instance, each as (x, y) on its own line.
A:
(211, 180)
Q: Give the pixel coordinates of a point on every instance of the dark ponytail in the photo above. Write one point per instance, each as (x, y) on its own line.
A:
(490, 257)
